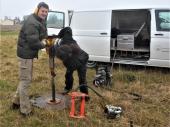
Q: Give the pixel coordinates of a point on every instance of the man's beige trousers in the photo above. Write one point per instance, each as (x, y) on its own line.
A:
(25, 77)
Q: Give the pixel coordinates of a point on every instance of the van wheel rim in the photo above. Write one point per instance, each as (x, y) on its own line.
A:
(91, 64)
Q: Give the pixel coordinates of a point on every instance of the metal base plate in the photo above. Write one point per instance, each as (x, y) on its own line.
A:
(44, 101)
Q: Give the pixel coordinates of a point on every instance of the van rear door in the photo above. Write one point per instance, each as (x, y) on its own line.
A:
(91, 30)
(160, 38)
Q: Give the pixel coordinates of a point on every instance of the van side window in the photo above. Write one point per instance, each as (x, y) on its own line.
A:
(162, 20)
(55, 20)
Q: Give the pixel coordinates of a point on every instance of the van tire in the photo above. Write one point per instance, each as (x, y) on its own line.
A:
(91, 64)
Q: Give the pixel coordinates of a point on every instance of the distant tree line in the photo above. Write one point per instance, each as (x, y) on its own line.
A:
(16, 19)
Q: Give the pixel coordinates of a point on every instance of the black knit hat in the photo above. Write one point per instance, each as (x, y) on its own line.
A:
(43, 4)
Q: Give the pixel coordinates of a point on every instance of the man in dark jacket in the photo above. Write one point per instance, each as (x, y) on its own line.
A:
(73, 57)
(31, 39)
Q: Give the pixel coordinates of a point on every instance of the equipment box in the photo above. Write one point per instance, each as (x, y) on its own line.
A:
(125, 42)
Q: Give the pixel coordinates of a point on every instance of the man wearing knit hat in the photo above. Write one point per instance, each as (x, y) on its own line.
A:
(31, 39)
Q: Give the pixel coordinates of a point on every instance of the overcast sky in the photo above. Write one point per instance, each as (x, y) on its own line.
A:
(12, 8)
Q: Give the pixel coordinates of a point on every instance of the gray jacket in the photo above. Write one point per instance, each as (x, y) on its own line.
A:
(29, 41)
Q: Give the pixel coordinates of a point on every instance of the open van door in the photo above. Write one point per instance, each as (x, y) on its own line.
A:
(91, 30)
(160, 38)
(55, 21)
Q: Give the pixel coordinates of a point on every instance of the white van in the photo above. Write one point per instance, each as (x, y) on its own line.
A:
(131, 36)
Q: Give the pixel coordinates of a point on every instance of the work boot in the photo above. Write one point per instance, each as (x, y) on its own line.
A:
(15, 106)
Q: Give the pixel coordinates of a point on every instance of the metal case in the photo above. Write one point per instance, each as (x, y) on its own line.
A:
(125, 42)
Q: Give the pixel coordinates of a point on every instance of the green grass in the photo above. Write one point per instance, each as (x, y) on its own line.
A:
(7, 33)
(152, 83)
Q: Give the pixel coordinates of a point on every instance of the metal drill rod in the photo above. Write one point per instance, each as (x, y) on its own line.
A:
(53, 89)
(51, 63)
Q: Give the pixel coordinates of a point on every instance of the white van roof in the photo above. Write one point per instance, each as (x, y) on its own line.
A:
(81, 10)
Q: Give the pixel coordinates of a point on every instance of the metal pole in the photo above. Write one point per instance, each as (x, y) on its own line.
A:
(53, 89)
(51, 64)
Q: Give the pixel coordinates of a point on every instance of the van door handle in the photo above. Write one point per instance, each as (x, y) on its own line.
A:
(158, 34)
(103, 33)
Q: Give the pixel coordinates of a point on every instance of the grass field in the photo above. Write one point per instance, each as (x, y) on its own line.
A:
(152, 83)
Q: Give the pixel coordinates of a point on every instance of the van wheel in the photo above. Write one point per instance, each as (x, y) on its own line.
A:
(91, 64)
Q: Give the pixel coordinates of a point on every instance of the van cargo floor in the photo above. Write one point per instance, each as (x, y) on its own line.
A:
(131, 61)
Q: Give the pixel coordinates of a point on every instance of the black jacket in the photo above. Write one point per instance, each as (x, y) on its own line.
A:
(29, 41)
(68, 50)
(72, 55)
